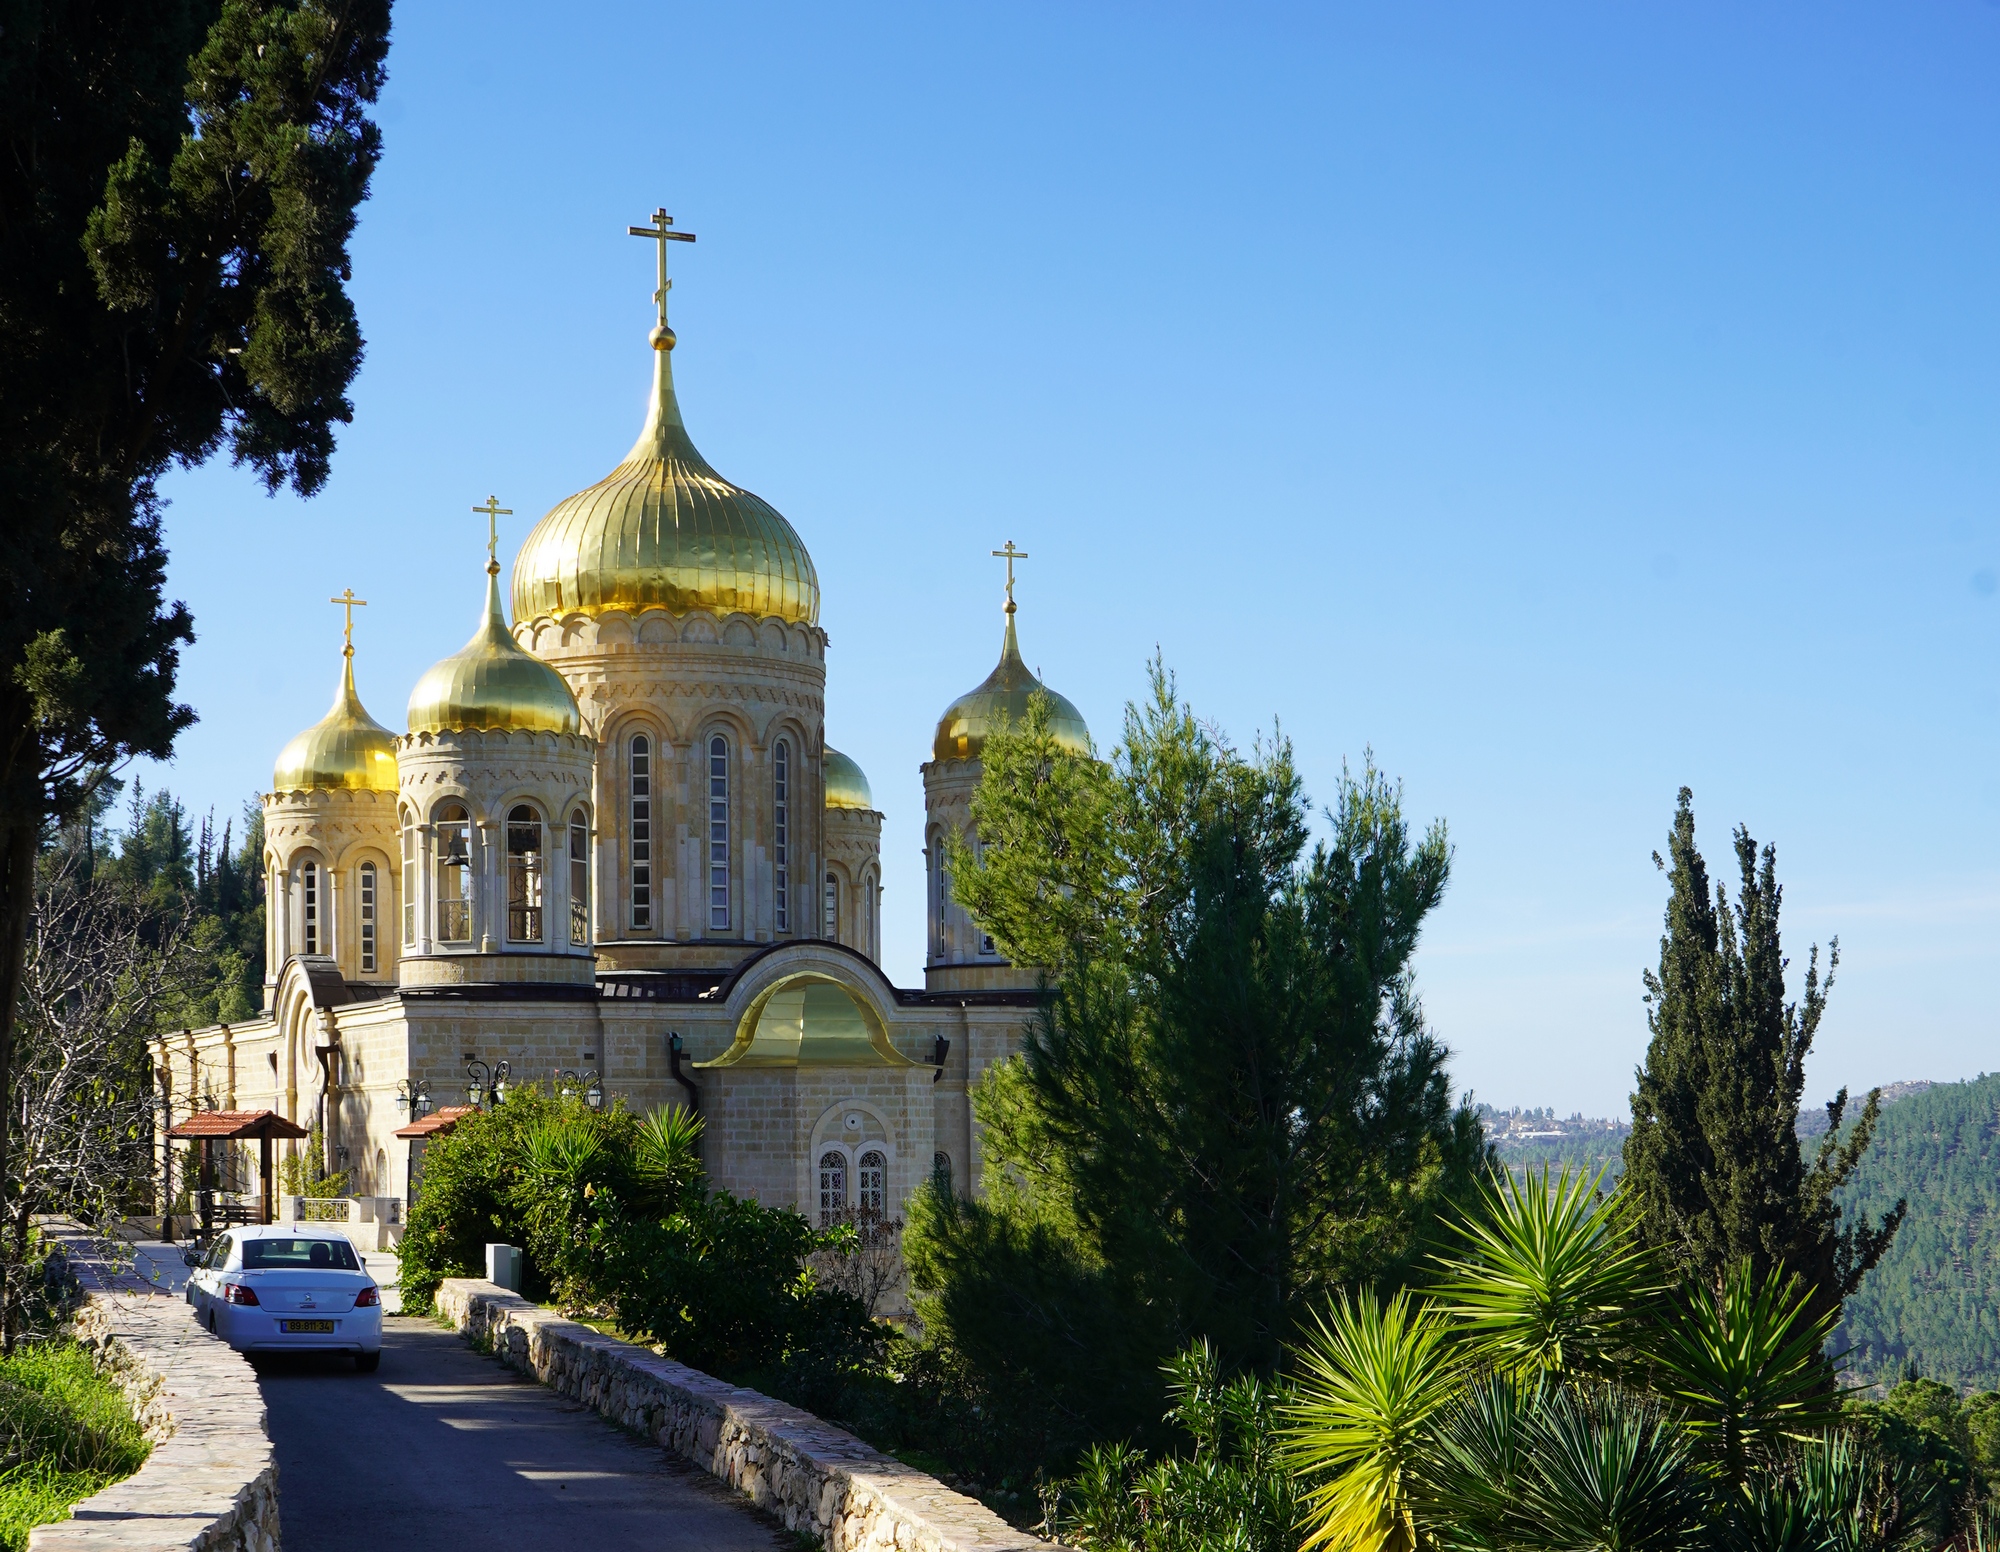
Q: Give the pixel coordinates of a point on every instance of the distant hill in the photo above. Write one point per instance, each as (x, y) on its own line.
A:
(1935, 1298)
(1529, 1139)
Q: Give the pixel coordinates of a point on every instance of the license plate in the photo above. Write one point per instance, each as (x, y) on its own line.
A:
(306, 1327)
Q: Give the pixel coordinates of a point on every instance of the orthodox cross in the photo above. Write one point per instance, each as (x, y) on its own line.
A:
(350, 603)
(494, 512)
(1010, 555)
(659, 233)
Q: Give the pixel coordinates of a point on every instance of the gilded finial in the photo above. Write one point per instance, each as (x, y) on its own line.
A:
(1010, 555)
(662, 336)
(494, 512)
(350, 603)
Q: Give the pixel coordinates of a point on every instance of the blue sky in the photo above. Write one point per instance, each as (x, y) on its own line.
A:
(1565, 402)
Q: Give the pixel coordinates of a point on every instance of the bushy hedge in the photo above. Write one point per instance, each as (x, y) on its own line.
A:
(616, 1219)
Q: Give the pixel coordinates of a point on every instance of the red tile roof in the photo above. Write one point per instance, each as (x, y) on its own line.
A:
(440, 1120)
(237, 1123)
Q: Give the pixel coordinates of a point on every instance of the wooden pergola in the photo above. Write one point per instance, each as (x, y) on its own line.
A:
(211, 1126)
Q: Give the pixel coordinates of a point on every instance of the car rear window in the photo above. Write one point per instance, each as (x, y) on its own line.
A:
(300, 1254)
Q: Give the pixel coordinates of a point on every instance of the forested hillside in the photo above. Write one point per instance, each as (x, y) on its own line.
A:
(1935, 1298)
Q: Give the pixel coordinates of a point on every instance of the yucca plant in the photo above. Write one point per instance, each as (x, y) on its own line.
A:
(1369, 1382)
(1744, 1365)
(1610, 1471)
(1549, 1275)
(666, 1157)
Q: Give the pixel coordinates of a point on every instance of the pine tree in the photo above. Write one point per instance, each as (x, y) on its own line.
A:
(1714, 1152)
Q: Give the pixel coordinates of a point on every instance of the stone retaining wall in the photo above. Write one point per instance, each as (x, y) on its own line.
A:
(815, 1477)
(211, 1483)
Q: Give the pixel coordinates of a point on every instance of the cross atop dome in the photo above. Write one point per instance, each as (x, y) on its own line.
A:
(663, 337)
(1010, 554)
(348, 601)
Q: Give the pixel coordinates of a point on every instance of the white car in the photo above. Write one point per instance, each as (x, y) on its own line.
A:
(284, 1288)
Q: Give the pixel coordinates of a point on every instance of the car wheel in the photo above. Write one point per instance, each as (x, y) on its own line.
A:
(367, 1363)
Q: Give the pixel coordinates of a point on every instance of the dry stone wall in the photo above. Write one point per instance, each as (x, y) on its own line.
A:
(815, 1477)
(211, 1483)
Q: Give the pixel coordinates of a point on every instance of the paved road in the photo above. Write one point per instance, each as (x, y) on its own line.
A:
(445, 1451)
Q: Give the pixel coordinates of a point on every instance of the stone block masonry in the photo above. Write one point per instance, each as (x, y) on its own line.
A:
(211, 1483)
(816, 1478)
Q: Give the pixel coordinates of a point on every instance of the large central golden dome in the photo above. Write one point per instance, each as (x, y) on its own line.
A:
(664, 530)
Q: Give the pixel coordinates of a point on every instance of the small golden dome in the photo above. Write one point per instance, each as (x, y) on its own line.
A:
(967, 723)
(492, 685)
(845, 786)
(346, 750)
(664, 530)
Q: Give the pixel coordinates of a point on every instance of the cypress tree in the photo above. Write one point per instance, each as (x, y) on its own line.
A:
(1714, 1155)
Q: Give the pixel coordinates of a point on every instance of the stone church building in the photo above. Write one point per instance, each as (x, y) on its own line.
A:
(611, 842)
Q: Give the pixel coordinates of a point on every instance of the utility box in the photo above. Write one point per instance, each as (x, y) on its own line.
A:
(503, 1266)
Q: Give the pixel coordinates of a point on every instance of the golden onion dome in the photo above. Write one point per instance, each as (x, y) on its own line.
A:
(846, 787)
(664, 530)
(345, 751)
(492, 685)
(967, 723)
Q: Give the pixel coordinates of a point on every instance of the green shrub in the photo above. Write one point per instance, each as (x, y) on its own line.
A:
(65, 1433)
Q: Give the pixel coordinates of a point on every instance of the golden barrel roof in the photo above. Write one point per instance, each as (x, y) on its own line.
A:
(492, 685)
(846, 786)
(345, 751)
(971, 719)
(664, 530)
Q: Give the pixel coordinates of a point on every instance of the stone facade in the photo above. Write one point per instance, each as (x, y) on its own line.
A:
(819, 1480)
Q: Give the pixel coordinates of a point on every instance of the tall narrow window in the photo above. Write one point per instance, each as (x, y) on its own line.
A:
(367, 918)
(409, 879)
(524, 875)
(868, 900)
(871, 1186)
(941, 893)
(941, 1171)
(781, 834)
(718, 833)
(579, 878)
(309, 908)
(832, 1186)
(454, 874)
(642, 831)
(831, 910)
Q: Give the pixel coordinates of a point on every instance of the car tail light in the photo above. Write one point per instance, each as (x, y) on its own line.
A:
(238, 1293)
(367, 1296)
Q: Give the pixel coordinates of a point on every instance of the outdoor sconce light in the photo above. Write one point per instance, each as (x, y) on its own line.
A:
(485, 1085)
(413, 1100)
(594, 1095)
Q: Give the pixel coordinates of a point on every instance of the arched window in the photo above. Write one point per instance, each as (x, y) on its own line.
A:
(718, 833)
(367, 918)
(642, 831)
(831, 910)
(941, 1171)
(781, 834)
(524, 875)
(309, 908)
(871, 1185)
(868, 904)
(832, 1186)
(454, 874)
(579, 878)
(409, 878)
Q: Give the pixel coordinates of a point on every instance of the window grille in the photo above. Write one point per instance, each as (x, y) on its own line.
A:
(579, 878)
(940, 894)
(832, 1186)
(524, 875)
(367, 918)
(832, 909)
(309, 907)
(718, 834)
(871, 1183)
(868, 900)
(941, 1170)
(781, 764)
(642, 831)
(454, 874)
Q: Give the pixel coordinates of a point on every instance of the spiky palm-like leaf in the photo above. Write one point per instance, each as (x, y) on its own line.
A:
(665, 1156)
(1370, 1380)
(1607, 1470)
(1474, 1461)
(1550, 1274)
(1743, 1364)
